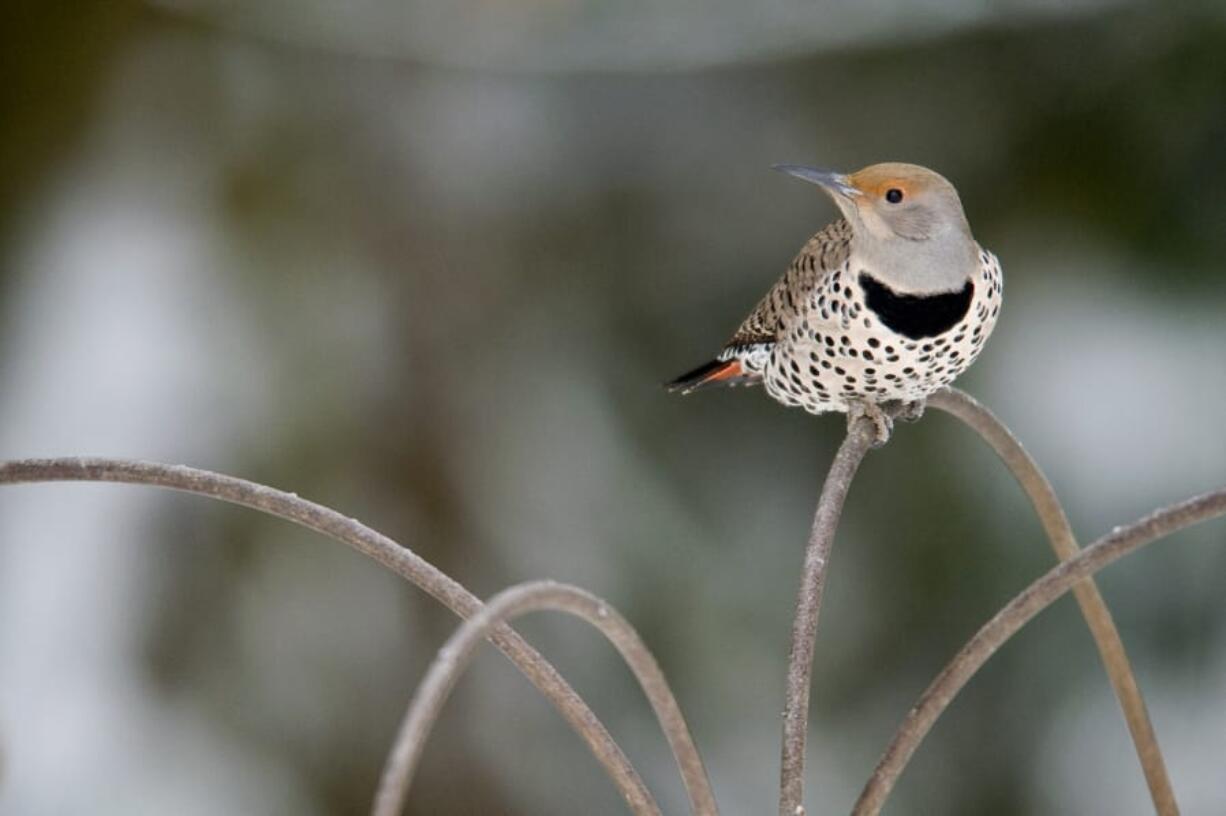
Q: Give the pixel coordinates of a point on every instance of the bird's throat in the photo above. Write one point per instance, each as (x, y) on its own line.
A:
(916, 316)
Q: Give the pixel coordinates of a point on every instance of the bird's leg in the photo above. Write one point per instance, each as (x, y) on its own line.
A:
(911, 411)
(882, 422)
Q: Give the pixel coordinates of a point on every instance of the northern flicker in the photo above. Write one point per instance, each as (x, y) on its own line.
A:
(889, 303)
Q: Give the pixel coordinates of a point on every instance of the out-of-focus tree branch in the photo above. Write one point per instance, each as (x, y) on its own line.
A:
(457, 653)
(1089, 599)
(400, 560)
(1006, 623)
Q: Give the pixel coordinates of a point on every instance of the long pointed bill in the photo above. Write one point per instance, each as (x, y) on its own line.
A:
(832, 182)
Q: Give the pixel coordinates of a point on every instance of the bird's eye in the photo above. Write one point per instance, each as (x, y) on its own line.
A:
(893, 195)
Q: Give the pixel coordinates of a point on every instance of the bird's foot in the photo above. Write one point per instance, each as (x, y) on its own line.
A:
(911, 411)
(883, 423)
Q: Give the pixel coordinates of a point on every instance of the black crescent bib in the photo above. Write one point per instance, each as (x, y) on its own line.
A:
(916, 316)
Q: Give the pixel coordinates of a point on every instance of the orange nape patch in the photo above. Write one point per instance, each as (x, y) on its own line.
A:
(876, 179)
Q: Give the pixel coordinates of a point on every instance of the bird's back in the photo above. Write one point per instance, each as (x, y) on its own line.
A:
(821, 255)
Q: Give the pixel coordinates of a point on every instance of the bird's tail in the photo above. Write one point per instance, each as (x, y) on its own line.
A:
(716, 372)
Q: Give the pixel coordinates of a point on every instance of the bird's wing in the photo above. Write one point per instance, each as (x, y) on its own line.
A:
(823, 253)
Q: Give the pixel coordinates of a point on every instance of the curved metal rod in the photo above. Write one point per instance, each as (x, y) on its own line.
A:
(860, 437)
(1030, 602)
(1093, 607)
(400, 560)
(453, 658)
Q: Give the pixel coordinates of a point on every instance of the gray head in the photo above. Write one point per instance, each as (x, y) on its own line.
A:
(908, 223)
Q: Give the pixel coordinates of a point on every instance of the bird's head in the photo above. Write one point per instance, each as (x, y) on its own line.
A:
(892, 200)
(906, 216)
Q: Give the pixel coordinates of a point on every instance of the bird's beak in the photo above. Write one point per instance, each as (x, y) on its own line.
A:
(834, 183)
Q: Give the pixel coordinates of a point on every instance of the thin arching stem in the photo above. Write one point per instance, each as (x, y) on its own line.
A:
(457, 653)
(1093, 607)
(847, 461)
(1006, 623)
(400, 560)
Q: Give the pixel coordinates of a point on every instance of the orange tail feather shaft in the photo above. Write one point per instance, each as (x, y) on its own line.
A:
(716, 372)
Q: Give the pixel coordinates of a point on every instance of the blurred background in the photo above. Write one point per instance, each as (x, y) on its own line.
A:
(428, 263)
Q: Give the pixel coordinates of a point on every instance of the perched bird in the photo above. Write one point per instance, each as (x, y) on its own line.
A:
(887, 304)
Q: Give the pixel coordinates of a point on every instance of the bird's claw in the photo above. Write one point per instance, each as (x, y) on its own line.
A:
(883, 423)
(912, 411)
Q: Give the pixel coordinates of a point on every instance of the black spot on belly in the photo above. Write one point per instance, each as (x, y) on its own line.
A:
(916, 316)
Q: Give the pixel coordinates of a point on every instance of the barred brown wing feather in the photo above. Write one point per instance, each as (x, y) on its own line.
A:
(823, 253)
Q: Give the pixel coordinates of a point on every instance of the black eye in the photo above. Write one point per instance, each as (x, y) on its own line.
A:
(893, 195)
